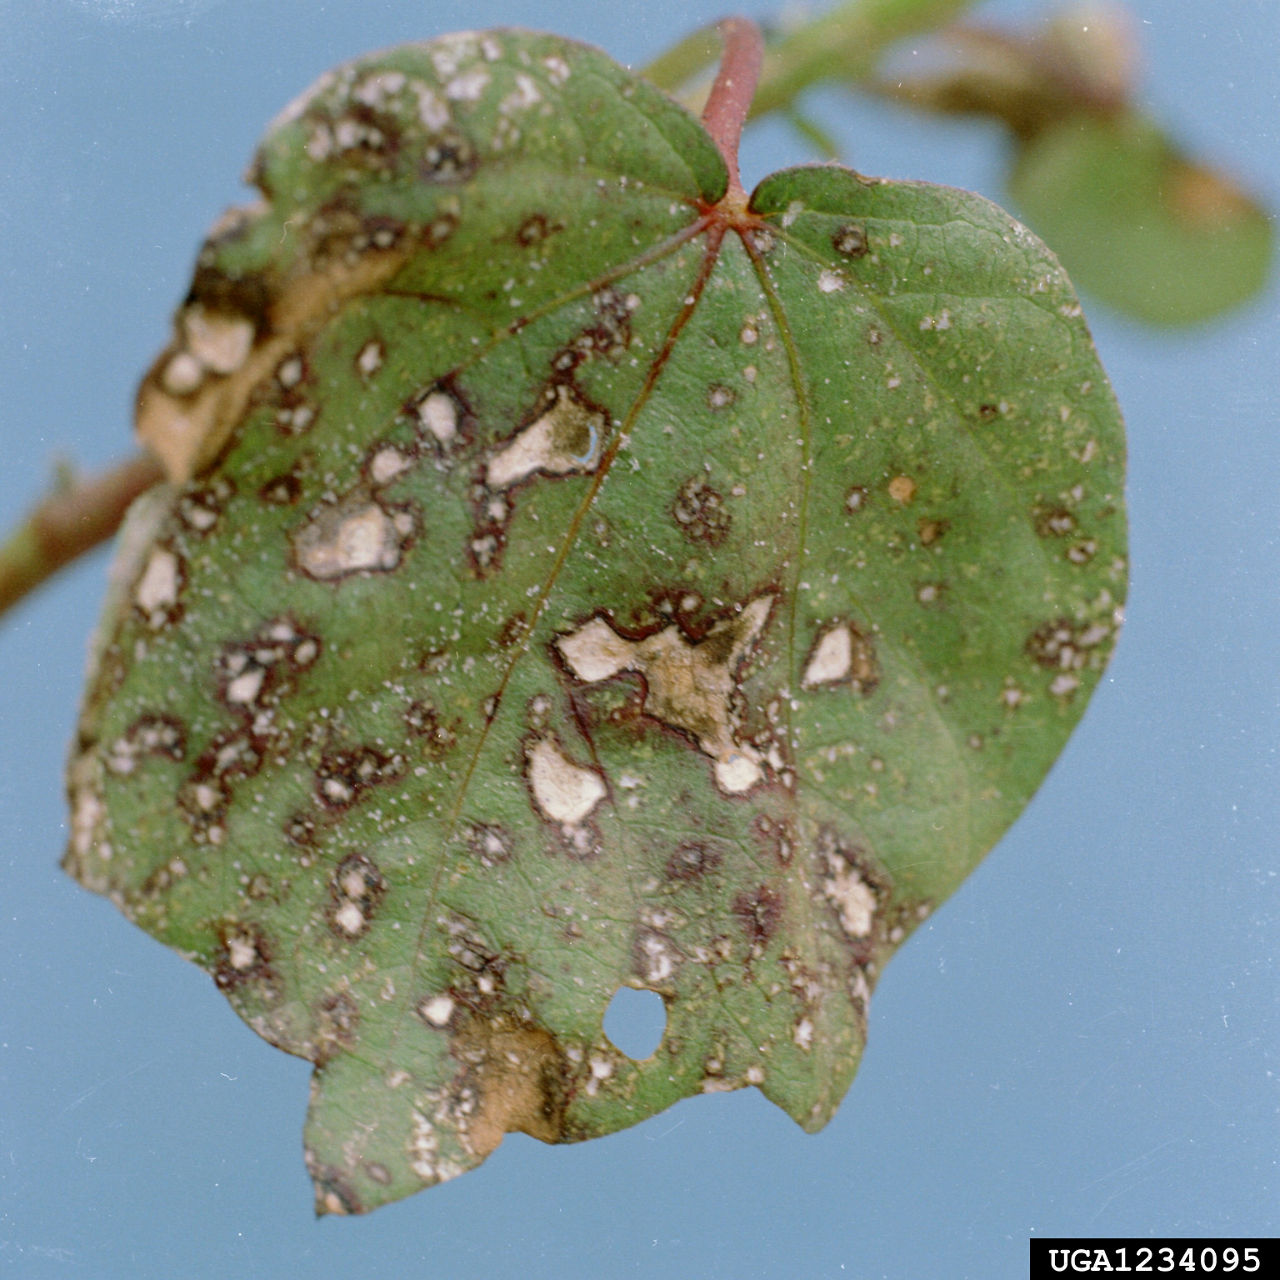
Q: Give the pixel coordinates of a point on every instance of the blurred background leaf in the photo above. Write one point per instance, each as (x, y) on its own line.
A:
(1147, 229)
(1152, 231)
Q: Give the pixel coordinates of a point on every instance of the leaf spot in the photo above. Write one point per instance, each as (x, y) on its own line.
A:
(596, 652)
(295, 417)
(149, 735)
(689, 683)
(699, 512)
(216, 340)
(535, 229)
(351, 536)
(282, 490)
(423, 721)
(156, 595)
(1011, 696)
(199, 509)
(182, 375)
(852, 897)
(337, 1024)
(438, 413)
(512, 1074)
(691, 861)
(355, 892)
(1064, 685)
(850, 241)
(563, 791)
(88, 818)
(566, 436)
(557, 69)
(290, 372)
(902, 489)
(759, 912)
(370, 357)
(243, 955)
(524, 96)
(855, 499)
(841, 653)
(254, 673)
(341, 778)
(489, 844)
(831, 658)
(386, 464)
(737, 771)
(1054, 522)
(424, 1143)
(656, 958)
(436, 1011)
(469, 86)
(931, 530)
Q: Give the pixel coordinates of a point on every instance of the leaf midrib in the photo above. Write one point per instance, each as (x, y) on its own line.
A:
(692, 296)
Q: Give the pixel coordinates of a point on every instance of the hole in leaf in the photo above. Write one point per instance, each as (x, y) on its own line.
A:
(635, 1022)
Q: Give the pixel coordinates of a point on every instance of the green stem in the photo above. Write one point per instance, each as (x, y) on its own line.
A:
(842, 45)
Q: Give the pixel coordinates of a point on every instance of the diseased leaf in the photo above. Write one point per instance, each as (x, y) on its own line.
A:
(574, 578)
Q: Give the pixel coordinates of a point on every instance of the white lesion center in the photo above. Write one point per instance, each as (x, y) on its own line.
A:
(840, 654)
(831, 659)
(157, 589)
(689, 684)
(349, 918)
(211, 342)
(220, 342)
(352, 536)
(437, 1009)
(243, 953)
(564, 792)
(852, 897)
(567, 436)
(438, 413)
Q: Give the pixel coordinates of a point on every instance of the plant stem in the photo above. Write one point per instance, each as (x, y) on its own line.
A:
(841, 45)
(731, 94)
(68, 523)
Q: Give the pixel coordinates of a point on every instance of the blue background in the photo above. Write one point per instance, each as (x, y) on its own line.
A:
(1084, 1041)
